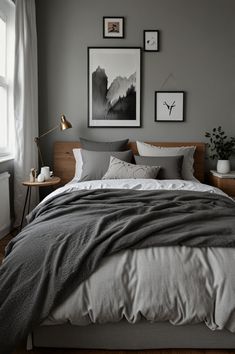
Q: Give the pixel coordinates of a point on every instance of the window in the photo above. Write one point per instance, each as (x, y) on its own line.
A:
(3, 32)
(7, 10)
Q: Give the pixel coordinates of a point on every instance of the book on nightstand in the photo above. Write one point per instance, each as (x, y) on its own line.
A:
(231, 174)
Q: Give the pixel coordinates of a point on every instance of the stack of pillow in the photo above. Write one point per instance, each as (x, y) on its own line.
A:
(176, 162)
(114, 160)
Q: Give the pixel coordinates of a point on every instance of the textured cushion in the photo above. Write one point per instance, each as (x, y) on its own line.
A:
(171, 166)
(104, 146)
(96, 163)
(188, 152)
(119, 169)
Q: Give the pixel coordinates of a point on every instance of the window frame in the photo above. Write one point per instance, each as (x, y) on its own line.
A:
(7, 14)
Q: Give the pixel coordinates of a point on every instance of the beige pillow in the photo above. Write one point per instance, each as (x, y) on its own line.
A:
(119, 169)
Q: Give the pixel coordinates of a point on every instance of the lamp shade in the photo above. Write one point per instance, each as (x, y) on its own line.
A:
(64, 123)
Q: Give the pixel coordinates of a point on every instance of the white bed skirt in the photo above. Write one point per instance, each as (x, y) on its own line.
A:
(123, 336)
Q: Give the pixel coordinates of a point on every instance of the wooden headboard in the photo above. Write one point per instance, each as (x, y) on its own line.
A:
(64, 162)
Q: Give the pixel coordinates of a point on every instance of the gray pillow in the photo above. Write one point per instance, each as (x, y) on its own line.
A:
(119, 169)
(120, 145)
(171, 166)
(146, 149)
(96, 163)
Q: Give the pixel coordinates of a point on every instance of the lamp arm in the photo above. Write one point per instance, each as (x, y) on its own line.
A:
(64, 124)
(49, 131)
(36, 140)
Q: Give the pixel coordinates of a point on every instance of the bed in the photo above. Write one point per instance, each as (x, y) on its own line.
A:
(181, 294)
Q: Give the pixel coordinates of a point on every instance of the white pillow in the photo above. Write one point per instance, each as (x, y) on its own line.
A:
(78, 165)
(188, 152)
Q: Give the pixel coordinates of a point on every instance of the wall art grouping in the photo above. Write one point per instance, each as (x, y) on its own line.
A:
(114, 84)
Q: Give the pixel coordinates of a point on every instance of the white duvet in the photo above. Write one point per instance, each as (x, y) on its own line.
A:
(176, 284)
(139, 184)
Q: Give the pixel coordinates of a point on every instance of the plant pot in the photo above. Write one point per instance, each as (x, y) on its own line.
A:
(223, 166)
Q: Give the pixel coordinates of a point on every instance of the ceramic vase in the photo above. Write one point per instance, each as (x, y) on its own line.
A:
(223, 166)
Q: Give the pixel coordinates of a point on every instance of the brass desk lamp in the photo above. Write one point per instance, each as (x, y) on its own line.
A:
(63, 125)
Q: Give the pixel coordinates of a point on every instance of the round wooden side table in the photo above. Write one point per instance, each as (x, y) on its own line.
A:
(53, 181)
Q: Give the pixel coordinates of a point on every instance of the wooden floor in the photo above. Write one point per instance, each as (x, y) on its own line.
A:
(3, 242)
(21, 349)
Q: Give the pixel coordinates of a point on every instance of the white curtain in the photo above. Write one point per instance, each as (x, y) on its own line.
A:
(25, 102)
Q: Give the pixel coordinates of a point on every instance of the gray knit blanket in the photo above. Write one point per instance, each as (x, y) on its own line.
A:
(68, 236)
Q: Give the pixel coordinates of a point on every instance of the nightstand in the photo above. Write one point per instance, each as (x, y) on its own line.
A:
(227, 185)
(53, 181)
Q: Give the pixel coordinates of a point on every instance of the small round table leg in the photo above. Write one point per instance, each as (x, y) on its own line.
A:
(29, 202)
(25, 202)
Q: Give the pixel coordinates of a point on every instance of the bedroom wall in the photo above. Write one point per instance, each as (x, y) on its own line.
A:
(197, 55)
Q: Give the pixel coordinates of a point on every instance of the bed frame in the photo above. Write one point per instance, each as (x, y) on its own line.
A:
(123, 335)
(126, 336)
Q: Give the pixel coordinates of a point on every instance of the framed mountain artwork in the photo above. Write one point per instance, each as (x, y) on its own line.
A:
(114, 84)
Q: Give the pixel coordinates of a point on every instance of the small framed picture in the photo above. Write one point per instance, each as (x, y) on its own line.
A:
(113, 27)
(169, 106)
(151, 40)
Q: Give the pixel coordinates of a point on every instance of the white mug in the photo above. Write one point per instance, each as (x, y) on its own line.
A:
(45, 170)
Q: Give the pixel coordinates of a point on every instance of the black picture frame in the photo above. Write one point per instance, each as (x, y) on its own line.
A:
(113, 27)
(169, 106)
(114, 87)
(151, 40)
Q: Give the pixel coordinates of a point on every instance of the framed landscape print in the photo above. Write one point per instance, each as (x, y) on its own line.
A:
(113, 27)
(151, 40)
(169, 106)
(114, 83)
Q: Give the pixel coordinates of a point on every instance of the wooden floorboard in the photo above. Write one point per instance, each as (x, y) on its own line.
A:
(21, 349)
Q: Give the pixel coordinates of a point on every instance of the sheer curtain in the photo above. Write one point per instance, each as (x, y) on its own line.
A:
(25, 101)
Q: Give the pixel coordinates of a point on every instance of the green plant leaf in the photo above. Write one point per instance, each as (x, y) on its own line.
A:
(220, 146)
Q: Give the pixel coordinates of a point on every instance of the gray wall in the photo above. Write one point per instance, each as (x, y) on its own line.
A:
(197, 55)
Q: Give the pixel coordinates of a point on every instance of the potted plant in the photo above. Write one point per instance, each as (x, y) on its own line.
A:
(221, 148)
